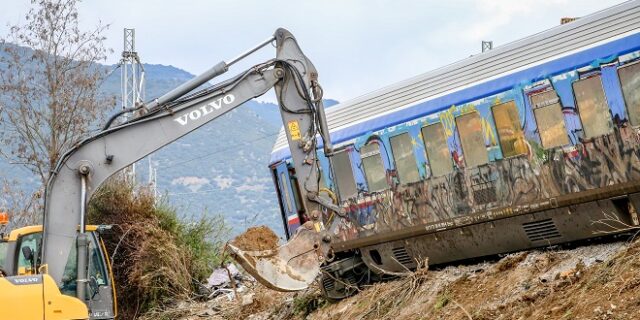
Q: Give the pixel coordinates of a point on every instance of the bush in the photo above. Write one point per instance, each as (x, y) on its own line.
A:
(157, 257)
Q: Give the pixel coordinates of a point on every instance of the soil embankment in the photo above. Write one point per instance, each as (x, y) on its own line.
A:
(600, 281)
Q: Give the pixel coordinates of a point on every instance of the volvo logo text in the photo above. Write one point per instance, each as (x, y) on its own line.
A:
(204, 110)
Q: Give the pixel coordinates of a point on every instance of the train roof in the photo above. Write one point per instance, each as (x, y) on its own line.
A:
(411, 98)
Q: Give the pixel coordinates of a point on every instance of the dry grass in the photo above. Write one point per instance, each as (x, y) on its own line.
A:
(157, 258)
(527, 285)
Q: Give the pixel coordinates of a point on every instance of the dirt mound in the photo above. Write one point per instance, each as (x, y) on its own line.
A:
(256, 239)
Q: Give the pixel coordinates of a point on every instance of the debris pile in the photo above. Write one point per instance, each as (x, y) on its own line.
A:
(232, 294)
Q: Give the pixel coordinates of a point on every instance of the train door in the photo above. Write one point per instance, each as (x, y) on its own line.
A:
(289, 207)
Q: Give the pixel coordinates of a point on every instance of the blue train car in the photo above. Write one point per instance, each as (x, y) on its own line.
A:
(531, 144)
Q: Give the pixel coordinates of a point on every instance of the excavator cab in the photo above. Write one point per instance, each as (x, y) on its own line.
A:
(20, 256)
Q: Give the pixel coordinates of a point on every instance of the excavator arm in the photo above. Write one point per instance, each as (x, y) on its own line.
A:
(82, 170)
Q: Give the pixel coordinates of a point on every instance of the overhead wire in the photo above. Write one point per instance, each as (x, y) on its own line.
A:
(246, 142)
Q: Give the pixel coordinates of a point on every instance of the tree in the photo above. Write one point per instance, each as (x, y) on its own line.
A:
(49, 85)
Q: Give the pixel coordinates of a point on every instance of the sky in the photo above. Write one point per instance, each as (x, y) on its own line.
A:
(357, 45)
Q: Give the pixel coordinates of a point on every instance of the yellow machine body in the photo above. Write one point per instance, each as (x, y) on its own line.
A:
(37, 297)
(33, 294)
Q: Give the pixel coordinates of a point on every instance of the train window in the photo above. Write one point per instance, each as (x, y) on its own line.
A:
(285, 188)
(549, 118)
(592, 107)
(474, 149)
(343, 174)
(630, 81)
(373, 168)
(296, 193)
(404, 158)
(323, 184)
(509, 131)
(438, 154)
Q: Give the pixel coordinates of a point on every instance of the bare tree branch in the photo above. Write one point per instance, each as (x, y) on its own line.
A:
(49, 85)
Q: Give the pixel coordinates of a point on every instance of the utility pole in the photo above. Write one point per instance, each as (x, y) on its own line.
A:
(153, 179)
(132, 81)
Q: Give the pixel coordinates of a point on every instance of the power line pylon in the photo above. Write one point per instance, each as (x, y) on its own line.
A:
(132, 81)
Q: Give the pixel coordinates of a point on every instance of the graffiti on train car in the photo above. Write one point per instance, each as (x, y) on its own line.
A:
(503, 185)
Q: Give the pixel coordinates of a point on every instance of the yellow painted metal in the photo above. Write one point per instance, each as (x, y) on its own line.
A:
(113, 285)
(20, 302)
(58, 306)
(16, 233)
(23, 271)
(294, 130)
(38, 300)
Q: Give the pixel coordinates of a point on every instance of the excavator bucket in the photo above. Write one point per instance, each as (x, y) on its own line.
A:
(291, 267)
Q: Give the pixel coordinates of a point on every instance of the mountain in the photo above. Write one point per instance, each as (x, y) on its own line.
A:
(222, 167)
(219, 169)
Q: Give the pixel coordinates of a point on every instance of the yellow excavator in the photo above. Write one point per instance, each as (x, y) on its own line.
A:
(61, 301)
(60, 270)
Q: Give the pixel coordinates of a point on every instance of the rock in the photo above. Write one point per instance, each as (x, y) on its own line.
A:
(207, 313)
(247, 300)
(597, 310)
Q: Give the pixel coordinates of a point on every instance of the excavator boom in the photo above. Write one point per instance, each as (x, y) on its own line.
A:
(84, 168)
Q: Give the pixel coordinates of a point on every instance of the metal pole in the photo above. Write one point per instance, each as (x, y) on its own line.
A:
(218, 69)
(250, 51)
(82, 240)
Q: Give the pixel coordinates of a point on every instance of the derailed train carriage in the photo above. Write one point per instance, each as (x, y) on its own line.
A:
(531, 144)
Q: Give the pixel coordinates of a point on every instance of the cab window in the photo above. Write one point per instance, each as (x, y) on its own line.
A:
(95, 268)
(510, 133)
(343, 175)
(474, 150)
(96, 262)
(630, 82)
(373, 168)
(592, 107)
(438, 154)
(404, 159)
(3, 254)
(549, 118)
(70, 274)
(33, 241)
